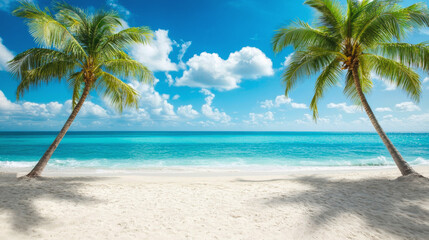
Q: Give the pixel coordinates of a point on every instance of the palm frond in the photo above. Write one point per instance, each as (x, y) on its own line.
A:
(328, 78)
(72, 17)
(412, 55)
(397, 73)
(119, 94)
(301, 35)
(102, 24)
(382, 23)
(128, 68)
(418, 14)
(305, 63)
(125, 38)
(331, 15)
(47, 31)
(36, 57)
(43, 75)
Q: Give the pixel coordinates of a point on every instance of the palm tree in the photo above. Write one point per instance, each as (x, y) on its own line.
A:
(362, 39)
(86, 49)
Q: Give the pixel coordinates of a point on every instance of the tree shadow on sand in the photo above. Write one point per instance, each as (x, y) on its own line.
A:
(17, 197)
(387, 205)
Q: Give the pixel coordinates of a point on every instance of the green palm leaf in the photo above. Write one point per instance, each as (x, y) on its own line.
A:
(397, 73)
(328, 78)
(83, 48)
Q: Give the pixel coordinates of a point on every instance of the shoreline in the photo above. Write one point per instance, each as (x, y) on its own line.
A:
(216, 173)
(189, 171)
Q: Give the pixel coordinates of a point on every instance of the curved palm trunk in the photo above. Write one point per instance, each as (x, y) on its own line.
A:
(37, 170)
(403, 166)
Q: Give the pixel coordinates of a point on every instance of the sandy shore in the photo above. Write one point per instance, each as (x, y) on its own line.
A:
(368, 204)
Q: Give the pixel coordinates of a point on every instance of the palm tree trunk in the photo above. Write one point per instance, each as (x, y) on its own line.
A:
(403, 166)
(37, 170)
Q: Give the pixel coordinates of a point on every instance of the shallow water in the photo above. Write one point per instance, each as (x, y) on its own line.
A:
(140, 150)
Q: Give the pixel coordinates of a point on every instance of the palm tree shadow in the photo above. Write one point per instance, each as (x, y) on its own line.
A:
(392, 206)
(17, 197)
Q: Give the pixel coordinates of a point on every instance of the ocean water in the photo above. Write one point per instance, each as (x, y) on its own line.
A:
(212, 150)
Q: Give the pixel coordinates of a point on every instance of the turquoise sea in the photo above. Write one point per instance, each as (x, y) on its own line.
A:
(218, 150)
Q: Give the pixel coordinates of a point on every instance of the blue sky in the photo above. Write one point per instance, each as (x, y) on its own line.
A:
(214, 70)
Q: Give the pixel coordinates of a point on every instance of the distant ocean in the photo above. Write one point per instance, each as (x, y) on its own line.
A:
(208, 150)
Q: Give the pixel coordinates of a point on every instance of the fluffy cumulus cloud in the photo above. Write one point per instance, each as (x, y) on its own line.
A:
(258, 118)
(5, 55)
(383, 109)
(187, 111)
(426, 79)
(209, 70)
(89, 109)
(155, 55)
(46, 115)
(153, 102)
(343, 106)
(407, 107)
(28, 109)
(282, 100)
(210, 112)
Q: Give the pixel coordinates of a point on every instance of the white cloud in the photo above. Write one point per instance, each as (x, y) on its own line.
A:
(281, 100)
(267, 104)
(39, 109)
(183, 48)
(155, 55)
(298, 105)
(407, 107)
(308, 119)
(208, 70)
(257, 118)
(383, 109)
(175, 97)
(210, 112)
(28, 109)
(139, 116)
(361, 120)
(89, 109)
(5, 55)
(169, 79)
(288, 59)
(423, 118)
(426, 79)
(187, 111)
(47, 110)
(153, 102)
(118, 7)
(6, 105)
(343, 106)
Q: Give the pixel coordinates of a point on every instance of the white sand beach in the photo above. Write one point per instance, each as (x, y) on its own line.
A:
(356, 204)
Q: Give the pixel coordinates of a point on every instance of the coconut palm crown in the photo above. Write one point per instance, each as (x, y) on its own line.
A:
(87, 50)
(354, 42)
